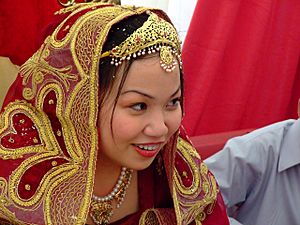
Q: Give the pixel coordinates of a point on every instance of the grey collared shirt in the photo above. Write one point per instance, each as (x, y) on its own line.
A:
(259, 175)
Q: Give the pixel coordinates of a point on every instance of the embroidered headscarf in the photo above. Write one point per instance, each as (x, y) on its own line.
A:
(48, 127)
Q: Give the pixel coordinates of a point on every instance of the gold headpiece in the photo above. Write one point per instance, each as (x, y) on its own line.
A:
(156, 35)
(67, 3)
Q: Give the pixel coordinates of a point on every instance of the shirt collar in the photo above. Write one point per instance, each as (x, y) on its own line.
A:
(290, 149)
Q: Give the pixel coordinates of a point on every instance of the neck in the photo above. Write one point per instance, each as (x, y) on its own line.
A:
(106, 176)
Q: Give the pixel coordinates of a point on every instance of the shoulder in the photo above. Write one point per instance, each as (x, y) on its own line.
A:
(264, 139)
(257, 151)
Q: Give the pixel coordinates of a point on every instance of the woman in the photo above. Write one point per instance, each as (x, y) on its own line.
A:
(89, 132)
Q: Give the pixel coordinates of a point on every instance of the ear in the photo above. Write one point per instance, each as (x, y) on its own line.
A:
(299, 108)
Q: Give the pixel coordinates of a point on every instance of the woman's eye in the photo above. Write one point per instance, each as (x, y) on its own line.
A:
(139, 106)
(174, 102)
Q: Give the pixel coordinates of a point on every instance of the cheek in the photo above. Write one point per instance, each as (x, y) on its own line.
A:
(174, 122)
(126, 126)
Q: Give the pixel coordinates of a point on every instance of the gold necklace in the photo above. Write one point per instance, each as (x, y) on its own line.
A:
(101, 209)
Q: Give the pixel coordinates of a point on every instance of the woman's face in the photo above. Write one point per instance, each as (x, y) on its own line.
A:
(146, 115)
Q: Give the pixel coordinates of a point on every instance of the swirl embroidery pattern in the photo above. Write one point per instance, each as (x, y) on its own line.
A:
(194, 183)
(37, 68)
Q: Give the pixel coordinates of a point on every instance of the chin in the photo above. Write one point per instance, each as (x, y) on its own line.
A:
(141, 165)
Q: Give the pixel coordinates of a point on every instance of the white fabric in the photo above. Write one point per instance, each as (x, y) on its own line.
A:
(259, 175)
(181, 13)
(161, 4)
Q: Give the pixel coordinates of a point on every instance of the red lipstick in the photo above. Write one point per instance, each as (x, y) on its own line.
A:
(147, 153)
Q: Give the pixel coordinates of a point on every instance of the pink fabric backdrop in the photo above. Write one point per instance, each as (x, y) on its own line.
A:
(241, 61)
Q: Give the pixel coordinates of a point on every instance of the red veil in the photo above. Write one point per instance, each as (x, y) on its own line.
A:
(49, 137)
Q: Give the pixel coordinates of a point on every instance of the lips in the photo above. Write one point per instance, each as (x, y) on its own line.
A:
(147, 150)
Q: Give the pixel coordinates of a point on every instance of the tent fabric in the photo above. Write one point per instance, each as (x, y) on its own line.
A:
(241, 64)
(21, 26)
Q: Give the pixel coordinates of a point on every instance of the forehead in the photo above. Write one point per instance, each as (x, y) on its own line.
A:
(147, 73)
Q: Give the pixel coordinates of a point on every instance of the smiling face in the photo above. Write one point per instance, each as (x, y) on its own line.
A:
(146, 115)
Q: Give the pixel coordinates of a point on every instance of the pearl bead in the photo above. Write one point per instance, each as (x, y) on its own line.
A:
(124, 178)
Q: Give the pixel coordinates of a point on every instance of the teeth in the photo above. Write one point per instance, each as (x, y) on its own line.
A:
(148, 147)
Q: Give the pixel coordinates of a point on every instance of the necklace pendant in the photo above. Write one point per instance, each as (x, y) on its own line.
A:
(101, 212)
(101, 208)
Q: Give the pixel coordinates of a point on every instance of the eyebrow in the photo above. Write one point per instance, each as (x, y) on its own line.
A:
(175, 93)
(148, 96)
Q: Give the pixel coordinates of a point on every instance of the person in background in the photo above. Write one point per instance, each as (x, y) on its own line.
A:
(90, 128)
(259, 175)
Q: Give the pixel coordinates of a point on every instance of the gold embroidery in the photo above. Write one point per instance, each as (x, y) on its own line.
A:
(48, 139)
(36, 67)
(184, 174)
(58, 133)
(68, 3)
(68, 9)
(187, 152)
(66, 28)
(203, 182)
(149, 217)
(201, 217)
(76, 154)
(86, 45)
(4, 203)
(76, 189)
(35, 140)
(3, 189)
(27, 187)
(54, 163)
(50, 180)
(11, 140)
(74, 149)
(38, 120)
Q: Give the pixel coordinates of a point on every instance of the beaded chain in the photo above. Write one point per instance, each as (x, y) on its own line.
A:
(101, 207)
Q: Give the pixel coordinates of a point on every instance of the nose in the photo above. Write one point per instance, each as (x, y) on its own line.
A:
(156, 126)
